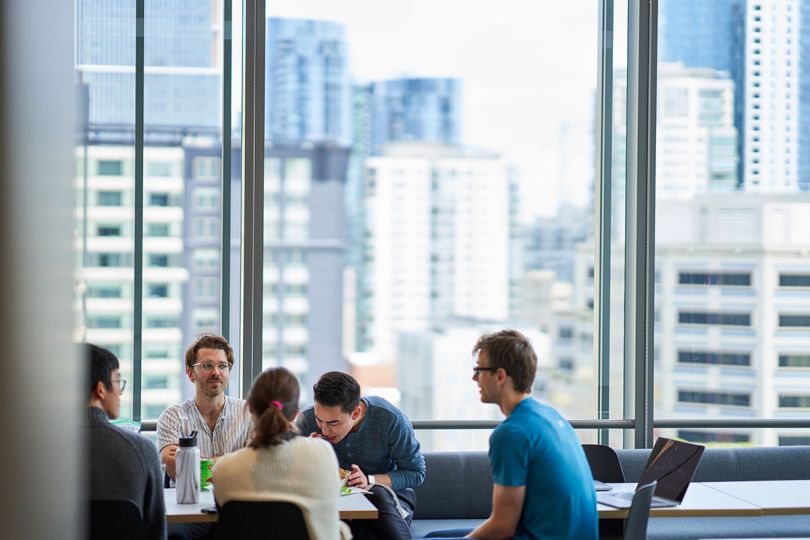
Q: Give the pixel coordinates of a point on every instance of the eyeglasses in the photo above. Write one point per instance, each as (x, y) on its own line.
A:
(208, 367)
(121, 384)
(478, 369)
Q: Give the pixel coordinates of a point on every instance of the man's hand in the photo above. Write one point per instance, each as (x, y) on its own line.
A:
(357, 478)
(316, 435)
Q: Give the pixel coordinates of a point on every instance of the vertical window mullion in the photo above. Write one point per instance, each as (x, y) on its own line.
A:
(225, 263)
(137, 300)
(252, 190)
(640, 211)
(602, 234)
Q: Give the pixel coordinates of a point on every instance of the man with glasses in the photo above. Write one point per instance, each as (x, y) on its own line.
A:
(122, 465)
(543, 484)
(222, 423)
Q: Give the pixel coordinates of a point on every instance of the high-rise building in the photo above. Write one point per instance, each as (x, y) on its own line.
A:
(304, 255)
(777, 96)
(732, 322)
(424, 109)
(695, 133)
(308, 93)
(182, 62)
(105, 277)
(436, 241)
(703, 34)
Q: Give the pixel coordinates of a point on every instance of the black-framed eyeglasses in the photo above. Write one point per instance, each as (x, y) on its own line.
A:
(478, 369)
(121, 384)
(208, 367)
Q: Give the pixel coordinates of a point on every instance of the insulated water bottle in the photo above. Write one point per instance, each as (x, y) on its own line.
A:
(188, 470)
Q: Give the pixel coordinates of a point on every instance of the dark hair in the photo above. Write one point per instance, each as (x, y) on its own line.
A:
(208, 340)
(337, 388)
(102, 363)
(272, 387)
(510, 350)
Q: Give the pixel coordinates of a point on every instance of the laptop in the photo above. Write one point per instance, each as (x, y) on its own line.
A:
(601, 486)
(672, 464)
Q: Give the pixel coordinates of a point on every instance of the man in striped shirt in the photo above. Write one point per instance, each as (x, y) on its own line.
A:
(222, 423)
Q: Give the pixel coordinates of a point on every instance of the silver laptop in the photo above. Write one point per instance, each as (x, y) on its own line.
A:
(672, 464)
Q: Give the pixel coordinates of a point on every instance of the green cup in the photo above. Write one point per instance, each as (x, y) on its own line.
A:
(206, 467)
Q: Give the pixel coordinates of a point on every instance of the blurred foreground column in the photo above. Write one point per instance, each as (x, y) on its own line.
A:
(39, 376)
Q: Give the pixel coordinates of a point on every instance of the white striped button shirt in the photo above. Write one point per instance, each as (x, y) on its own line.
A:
(231, 432)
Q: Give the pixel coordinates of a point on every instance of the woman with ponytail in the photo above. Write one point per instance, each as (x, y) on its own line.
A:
(279, 465)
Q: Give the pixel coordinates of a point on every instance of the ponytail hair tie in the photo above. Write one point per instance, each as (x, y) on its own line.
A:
(277, 404)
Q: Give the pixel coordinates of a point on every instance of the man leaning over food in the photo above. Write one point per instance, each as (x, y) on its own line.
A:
(375, 442)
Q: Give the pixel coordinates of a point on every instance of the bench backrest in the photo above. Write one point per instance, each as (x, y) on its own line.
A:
(734, 464)
(458, 485)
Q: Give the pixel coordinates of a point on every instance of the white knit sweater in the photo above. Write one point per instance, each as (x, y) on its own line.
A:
(303, 471)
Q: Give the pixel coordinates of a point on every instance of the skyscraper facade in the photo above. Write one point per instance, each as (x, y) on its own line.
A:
(777, 96)
(436, 241)
(709, 35)
(308, 94)
(182, 59)
(416, 109)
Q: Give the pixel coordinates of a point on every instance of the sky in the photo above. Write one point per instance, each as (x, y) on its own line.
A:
(529, 71)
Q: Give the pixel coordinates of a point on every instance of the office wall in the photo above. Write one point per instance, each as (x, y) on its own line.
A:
(39, 376)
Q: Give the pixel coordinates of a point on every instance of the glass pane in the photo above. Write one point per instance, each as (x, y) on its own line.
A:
(732, 325)
(182, 185)
(105, 180)
(405, 215)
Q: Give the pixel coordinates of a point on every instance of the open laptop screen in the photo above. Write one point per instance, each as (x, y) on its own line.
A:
(672, 464)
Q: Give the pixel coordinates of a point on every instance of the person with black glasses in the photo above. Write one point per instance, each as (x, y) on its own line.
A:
(543, 486)
(122, 464)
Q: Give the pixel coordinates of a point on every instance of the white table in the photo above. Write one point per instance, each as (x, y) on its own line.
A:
(700, 500)
(354, 506)
(773, 497)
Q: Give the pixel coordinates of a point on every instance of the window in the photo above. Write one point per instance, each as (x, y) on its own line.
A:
(113, 290)
(158, 260)
(161, 321)
(157, 229)
(794, 360)
(741, 279)
(158, 199)
(794, 321)
(794, 401)
(108, 167)
(108, 230)
(794, 280)
(206, 168)
(714, 398)
(157, 290)
(109, 198)
(104, 321)
(719, 358)
(703, 437)
(159, 168)
(156, 382)
(109, 260)
(726, 319)
(206, 198)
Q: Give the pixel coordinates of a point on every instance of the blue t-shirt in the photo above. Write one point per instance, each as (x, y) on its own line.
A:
(535, 447)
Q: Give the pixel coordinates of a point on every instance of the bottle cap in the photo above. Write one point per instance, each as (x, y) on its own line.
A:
(189, 441)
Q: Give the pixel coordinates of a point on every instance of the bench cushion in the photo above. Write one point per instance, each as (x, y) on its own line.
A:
(421, 527)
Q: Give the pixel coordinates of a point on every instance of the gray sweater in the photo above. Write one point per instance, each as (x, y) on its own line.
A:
(383, 443)
(124, 465)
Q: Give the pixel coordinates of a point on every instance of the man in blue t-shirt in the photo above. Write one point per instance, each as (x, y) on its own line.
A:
(543, 484)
